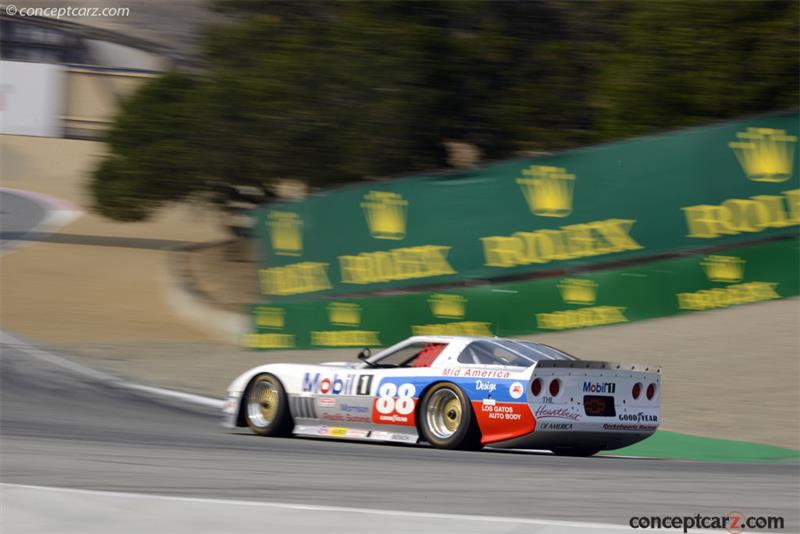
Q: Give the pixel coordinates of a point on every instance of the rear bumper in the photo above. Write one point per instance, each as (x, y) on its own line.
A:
(600, 440)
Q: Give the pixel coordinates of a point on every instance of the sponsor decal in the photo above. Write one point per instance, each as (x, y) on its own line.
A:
(599, 387)
(505, 412)
(640, 417)
(482, 385)
(629, 428)
(364, 384)
(335, 385)
(395, 404)
(476, 373)
(391, 436)
(547, 412)
(555, 426)
(348, 418)
(350, 408)
(327, 402)
(516, 390)
(356, 433)
(500, 421)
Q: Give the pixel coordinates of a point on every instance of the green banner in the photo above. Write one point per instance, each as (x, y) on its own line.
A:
(693, 284)
(709, 186)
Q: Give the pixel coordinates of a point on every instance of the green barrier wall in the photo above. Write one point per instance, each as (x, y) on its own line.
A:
(693, 284)
(718, 185)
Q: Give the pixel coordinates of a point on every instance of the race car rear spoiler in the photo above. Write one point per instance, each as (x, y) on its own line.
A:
(583, 364)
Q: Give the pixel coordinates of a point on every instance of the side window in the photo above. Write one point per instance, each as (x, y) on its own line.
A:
(490, 353)
(428, 355)
(414, 355)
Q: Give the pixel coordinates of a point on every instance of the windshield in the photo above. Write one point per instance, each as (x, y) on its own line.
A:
(508, 352)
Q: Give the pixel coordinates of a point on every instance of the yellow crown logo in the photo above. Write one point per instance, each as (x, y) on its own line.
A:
(765, 154)
(723, 268)
(577, 291)
(448, 306)
(268, 317)
(344, 314)
(548, 190)
(386, 214)
(285, 232)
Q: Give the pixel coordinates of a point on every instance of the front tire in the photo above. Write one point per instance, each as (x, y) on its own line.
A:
(267, 407)
(447, 420)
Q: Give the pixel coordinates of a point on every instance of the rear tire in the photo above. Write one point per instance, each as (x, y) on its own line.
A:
(446, 419)
(575, 451)
(266, 406)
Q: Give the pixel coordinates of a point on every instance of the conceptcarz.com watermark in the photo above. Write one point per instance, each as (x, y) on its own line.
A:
(733, 522)
(66, 11)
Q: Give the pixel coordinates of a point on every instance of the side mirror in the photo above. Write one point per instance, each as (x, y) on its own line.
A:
(364, 354)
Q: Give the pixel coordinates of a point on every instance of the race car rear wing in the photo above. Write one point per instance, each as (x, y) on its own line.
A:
(583, 364)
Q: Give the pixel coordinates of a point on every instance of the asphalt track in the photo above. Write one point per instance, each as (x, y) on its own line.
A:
(62, 429)
(19, 215)
(65, 429)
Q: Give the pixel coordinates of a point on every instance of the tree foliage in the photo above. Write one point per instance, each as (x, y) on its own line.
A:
(330, 92)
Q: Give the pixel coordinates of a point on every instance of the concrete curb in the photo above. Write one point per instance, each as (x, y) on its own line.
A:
(191, 306)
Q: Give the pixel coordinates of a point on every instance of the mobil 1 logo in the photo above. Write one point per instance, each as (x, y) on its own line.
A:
(363, 384)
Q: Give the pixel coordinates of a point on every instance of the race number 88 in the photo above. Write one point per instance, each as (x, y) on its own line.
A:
(403, 404)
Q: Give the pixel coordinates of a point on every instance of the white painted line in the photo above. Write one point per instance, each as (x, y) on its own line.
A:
(49, 357)
(346, 509)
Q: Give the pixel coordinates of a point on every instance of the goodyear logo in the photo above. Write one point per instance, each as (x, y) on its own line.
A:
(386, 214)
(547, 190)
(765, 154)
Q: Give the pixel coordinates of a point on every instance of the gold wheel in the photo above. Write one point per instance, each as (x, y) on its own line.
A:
(444, 413)
(263, 402)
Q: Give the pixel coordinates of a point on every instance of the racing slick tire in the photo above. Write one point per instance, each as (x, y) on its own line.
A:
(575, 451)
(266, 406)
(446, 419)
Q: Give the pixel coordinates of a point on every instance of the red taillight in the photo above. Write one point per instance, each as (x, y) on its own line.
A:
(637, 390)
(555, 387)
(651, 391)
(536, 387)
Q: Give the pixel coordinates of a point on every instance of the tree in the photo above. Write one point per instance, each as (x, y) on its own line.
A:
(333, 92)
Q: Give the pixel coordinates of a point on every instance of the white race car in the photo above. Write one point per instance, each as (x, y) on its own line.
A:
(455, 392)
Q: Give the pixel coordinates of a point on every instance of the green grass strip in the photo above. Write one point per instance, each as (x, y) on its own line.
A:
(673, 445)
